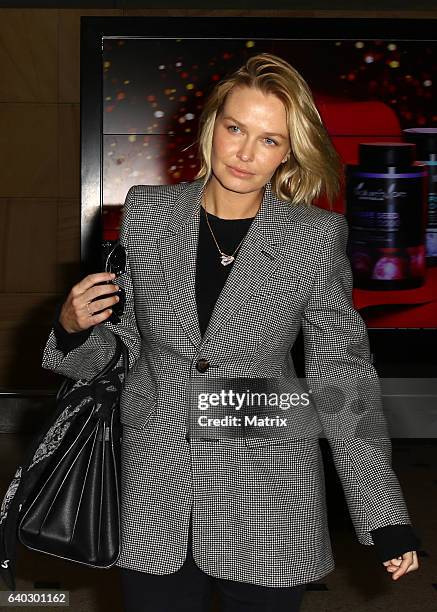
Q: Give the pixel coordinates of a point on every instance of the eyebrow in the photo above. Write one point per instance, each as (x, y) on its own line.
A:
(266, 133)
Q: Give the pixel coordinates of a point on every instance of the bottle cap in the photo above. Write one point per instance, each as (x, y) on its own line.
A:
(425, 140)
(377, 154)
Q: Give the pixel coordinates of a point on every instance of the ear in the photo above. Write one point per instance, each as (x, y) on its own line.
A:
(286, 158)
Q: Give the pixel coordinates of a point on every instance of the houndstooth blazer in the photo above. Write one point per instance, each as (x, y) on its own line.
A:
(258, 504)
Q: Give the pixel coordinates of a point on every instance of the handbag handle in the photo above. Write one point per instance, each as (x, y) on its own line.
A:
(120, 347)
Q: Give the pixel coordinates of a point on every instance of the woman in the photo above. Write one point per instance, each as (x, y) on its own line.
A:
(243, 244)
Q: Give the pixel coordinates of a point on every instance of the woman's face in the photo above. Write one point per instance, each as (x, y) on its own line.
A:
(250, 134)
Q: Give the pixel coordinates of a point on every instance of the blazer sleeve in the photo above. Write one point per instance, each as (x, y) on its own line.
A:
(87, 359)
(346, 391)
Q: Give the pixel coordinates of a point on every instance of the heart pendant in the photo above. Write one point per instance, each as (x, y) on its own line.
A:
(227, 259)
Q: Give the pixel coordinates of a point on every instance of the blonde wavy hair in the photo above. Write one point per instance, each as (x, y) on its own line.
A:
(313, 167)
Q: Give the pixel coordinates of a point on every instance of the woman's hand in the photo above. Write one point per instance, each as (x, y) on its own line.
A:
(75, 311)
(408, 562)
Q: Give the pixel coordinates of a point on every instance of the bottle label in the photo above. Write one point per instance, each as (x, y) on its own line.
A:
(431, 228)
(387, 223)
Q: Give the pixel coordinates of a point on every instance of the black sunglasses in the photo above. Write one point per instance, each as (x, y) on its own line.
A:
(116, 263)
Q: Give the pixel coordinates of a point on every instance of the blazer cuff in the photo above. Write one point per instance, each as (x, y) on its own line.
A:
(66, 341)
(393, 540)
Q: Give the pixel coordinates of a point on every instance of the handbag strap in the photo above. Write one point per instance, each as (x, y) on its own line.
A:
(113, 361)
(120, 348)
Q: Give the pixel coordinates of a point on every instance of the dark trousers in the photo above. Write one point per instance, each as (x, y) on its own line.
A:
(190, 590)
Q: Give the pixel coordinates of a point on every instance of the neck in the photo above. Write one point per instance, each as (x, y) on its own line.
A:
(228, 204)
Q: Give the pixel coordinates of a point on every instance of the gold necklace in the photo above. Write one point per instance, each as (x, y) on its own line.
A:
(224, 258)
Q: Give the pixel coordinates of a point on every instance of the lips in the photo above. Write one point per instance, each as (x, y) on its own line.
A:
(240, 170)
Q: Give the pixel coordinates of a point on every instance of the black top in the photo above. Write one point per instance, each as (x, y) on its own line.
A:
(390, 541)
(211, 274)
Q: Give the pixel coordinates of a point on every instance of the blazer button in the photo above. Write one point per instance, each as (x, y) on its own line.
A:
(202, 364)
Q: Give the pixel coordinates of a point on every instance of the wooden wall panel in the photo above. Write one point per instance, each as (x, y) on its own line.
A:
(24, 320)
(28, 55)
(28, 150)
(69, 150)
(30, 237)
(68, 244)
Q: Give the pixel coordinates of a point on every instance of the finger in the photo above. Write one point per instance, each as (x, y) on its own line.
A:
(415, 564)
(90, 280)
(393, 564)
(100, 303)
(100, 290)
(91, 309)
(93, 300)
(408, 558)
(84, 308)
(95, 319)
(393, 568)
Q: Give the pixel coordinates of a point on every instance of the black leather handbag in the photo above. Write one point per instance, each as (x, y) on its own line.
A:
(64, 500)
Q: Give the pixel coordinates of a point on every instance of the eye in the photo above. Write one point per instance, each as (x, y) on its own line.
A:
(273, 141)
(230, 127)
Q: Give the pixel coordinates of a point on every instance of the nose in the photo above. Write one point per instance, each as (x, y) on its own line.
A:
(245, 152)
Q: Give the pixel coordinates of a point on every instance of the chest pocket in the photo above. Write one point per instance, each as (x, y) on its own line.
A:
(280, 284)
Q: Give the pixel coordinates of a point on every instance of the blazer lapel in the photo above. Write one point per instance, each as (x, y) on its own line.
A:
(178, 249)
(258, 256)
